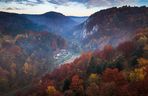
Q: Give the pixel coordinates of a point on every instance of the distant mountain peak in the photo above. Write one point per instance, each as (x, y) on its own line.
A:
(53, 14)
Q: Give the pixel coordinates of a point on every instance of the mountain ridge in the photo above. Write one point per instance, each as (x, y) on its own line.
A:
(111, 25)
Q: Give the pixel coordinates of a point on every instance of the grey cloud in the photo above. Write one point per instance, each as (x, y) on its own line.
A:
(87, 3)
(29, 2)
(12, 8)
(96, 3)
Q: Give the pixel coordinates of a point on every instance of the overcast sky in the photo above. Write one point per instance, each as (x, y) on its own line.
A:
(67, 7)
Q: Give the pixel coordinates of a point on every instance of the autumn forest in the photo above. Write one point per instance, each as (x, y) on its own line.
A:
(50, 54)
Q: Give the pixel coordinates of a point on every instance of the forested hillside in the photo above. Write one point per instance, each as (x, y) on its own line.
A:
(111, 26)
(26, 57)
(120, 71)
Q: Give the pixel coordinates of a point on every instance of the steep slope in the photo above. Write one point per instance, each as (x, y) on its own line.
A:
(111, 26)
(26, 57)
(120, 71)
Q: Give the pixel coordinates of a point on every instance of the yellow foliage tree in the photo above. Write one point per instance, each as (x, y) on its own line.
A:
(142, 61)
(137, 74)
(93, 78)
(51, 90)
